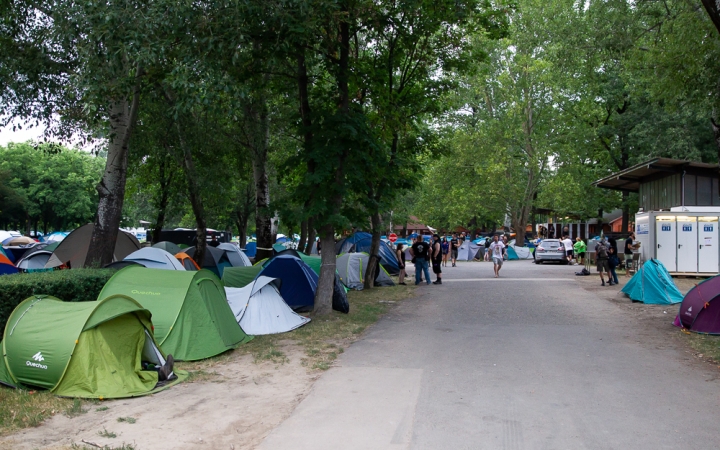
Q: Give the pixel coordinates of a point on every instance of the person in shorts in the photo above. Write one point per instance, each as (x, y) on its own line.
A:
(579, 247)
(497, 250)
(628, 250)
(454, 245)
(436, 258)
(568, 248)
(602, 255)
(445, 246)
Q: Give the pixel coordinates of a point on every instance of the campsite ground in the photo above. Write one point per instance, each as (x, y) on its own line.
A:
(539, 358)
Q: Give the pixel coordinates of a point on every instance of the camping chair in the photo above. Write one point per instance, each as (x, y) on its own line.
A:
(634, 265)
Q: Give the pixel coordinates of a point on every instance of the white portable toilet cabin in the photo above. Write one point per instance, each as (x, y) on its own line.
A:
(679, 204)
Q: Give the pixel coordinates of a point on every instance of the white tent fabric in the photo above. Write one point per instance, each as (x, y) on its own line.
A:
(236, 257)
(523, 252)
(352, 268)
(155, 258)
(467, 251)
(260, 309)
(36, 260)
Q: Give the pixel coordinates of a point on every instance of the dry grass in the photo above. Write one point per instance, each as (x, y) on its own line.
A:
(706, 346)
(323, 339)
(23, 409)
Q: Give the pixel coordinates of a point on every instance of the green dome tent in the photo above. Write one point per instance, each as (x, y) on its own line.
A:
(81, 349)
(239, 277)
(190, 311)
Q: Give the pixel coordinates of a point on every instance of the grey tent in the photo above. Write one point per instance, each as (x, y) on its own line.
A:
(352, 268)
(467, 251)
(34, 259)
(235, 255)
(260, 309)
(169, 247)
(155, 258)
(73, 250)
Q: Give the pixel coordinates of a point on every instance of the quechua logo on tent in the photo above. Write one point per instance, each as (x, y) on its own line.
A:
(689, 310)
(144, 292)
(39, 358)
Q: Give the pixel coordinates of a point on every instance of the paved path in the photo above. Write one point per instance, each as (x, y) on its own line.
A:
(530, 361)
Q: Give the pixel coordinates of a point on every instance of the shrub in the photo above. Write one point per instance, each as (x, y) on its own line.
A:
(77, 285)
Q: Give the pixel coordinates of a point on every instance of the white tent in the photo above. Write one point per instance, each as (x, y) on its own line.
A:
(35, 260)
(236, 257)
(155, 258)
(523, 252)
(260, 309)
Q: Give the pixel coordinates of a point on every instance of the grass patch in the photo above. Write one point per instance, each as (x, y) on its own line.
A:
(76, 408)
(23, 409)
(708, 346)
(127, 419)
(102, 408)
(107, 434)
(323, 339)
(106, 447)
(201, 375)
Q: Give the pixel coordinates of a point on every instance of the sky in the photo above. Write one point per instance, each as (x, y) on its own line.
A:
(7, 135)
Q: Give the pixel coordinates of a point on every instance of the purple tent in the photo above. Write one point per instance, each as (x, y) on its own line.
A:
(700, 309)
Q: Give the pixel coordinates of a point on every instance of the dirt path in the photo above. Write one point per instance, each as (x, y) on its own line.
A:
(238, 404)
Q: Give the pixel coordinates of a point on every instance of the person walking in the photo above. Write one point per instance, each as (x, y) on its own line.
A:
(579, 248)
(601, 255)
(400, 253)
(568, 248)
(488, 240)
(497, 248)
(419, 251)
(445, 246)
(436, 258)
(454, 245)
(628, 252)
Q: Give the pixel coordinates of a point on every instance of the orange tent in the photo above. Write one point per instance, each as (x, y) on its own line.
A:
(6, 267)
(187, 262)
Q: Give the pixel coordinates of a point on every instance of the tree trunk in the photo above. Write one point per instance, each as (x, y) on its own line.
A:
(258, 132)
(326, 283)
(163, 203)
(374, 259)
(711, 6)
(716, 134)
(311, 237)
(625, 212)
(303, 235)
(111, 188)
(195, 198)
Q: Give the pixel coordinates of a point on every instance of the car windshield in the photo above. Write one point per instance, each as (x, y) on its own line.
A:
(550, 244)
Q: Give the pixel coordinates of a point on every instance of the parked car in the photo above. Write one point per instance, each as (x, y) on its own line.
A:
(550, 250)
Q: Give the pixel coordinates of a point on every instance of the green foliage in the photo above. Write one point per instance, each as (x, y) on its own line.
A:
(47, 185)
(77, 285)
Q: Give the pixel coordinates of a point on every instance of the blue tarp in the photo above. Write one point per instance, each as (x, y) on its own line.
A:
(653, 285)
(251, 249)
(299, 282)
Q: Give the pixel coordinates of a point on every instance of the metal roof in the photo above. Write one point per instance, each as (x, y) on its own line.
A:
(631, 178)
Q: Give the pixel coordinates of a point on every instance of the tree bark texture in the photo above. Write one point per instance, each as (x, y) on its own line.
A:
(312, 234)
(713, 10)
(111, 188)
(303, 235)
(326, 283)
(164, 200)
(374, 259)
(195, 198)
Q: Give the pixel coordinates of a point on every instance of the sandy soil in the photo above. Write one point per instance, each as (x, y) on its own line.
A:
(235, 409)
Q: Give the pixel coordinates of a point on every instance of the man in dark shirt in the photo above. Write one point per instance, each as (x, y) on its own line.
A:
(214, 242)
(436, 258)
(454, 245)
(629, 250)
(419, 251)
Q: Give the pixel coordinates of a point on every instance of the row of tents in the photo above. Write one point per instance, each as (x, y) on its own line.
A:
(153, 308)
(699, 308)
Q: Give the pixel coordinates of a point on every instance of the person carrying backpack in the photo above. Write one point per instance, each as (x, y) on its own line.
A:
(601, 254)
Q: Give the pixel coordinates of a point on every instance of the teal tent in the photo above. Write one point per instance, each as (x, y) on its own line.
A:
(653, 285)
(512, 254)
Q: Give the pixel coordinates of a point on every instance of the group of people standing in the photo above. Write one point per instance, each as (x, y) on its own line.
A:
(608, 259)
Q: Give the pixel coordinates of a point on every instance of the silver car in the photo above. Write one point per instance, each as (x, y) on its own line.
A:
(550, 250)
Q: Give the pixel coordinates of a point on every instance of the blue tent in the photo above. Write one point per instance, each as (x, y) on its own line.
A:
(512, 254)
(653, 285)
(251, 249)
(299, 282)
(360, 242)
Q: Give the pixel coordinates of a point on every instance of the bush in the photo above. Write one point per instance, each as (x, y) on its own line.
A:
(77, 285)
